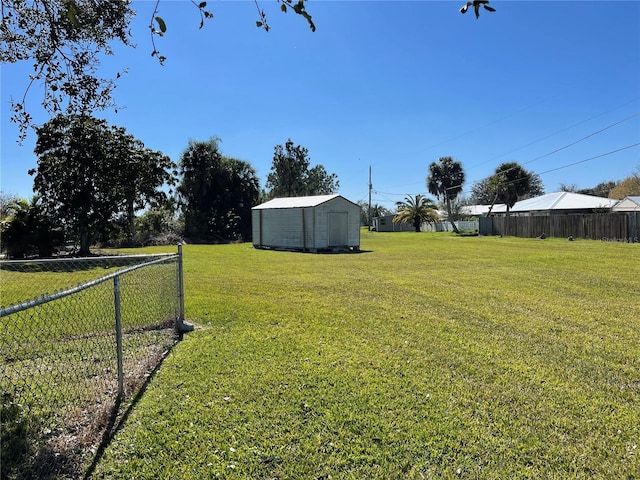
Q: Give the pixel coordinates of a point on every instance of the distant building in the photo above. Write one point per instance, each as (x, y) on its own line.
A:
(385, 224)
(477, 210)
(556, 204)
(628, 204)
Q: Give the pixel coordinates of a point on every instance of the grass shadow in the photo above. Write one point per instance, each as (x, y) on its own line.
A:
(26, 449)
(121, 412)
(67, 444)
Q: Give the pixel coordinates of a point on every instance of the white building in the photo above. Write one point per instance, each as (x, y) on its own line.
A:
(558, 203)
(321, 222)
(386, 224)
(628, 204)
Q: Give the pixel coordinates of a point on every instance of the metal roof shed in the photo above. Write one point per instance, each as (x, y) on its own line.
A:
(321, 222)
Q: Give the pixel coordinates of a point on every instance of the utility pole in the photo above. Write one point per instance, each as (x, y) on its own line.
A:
(370, 187)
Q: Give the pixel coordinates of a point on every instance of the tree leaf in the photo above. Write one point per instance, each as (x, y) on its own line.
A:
(161, 25)
(312, 26)
(283, 7)
(259, 24)
(202, 4)
(72, 12)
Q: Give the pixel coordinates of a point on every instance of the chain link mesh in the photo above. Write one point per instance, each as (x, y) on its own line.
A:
(59, 376)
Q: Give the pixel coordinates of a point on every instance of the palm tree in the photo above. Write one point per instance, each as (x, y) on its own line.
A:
(445, 181)
(416, 210)
(27, 230)
(513, 181)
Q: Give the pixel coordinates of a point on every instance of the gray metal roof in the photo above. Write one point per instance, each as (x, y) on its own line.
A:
(297, 202)
(559, 201)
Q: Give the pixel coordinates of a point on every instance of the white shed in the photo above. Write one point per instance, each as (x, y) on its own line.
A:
(321, 222)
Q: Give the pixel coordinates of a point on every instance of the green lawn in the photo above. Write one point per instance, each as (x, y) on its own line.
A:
(427, 356)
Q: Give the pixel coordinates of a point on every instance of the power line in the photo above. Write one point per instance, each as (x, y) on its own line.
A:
(591, 158)
(552, 134)
(583, 138)
(574, 163)
(388, 193)
(490, 123)
(565, 147)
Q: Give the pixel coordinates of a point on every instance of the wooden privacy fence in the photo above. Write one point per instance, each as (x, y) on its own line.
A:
(595, 226)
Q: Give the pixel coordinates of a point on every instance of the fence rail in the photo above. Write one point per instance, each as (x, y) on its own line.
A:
(77, 337)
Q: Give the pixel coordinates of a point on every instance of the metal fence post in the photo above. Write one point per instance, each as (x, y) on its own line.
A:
(180, 287)
(116, 292)
(181, 325)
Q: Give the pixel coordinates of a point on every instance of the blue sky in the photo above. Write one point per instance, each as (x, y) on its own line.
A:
(388, 84)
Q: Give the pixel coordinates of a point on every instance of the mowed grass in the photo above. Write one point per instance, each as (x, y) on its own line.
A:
(428, 356)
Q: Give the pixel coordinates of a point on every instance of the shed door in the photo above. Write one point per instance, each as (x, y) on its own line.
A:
(338, 229)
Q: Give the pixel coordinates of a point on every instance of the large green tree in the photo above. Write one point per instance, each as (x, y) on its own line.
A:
(160, 224)
(88, 173)
(142, 171)
(64, 40)
(536, 186)
(602, 189)
(483, 192)
(512, 183)
(216, 193)
(416, 210)
(291, 175)
(630, 186)
(445, 181)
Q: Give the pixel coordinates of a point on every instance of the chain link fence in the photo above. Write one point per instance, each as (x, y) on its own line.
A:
(78, 336)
